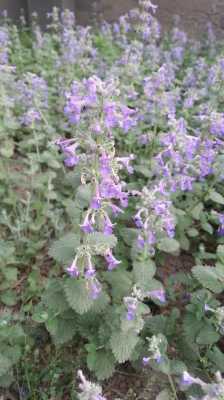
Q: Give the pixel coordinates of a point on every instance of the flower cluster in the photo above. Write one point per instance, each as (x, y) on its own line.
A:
(4, 45)
(89, 390)
(212, 391)
(154, 218)
(154, 349)
(91, 106)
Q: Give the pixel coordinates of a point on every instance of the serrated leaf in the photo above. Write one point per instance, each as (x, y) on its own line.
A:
(101, 241)
(129, 235)
(77, 295)
(63, 250)
(168, 245)
(156, 324)
(120, 281)
(207, 277)
(62, 329)
(102, 362)
(54, 297)
(100, 303)
(83, 195)
(207, 335)
(122, 345)
(143, 271)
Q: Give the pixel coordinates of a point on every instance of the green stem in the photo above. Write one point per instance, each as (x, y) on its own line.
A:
(172, 386)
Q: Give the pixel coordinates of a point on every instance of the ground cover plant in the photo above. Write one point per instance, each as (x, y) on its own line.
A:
(112, 206)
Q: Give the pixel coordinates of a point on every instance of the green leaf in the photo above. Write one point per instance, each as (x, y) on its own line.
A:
(129, 235)
(168, 245)
(197, 210)
(54, 297)
(208, 278)
(100, 303)
(5, 364)
(101, 242)
(120, 281)
(77, 295)
(177, 367)
(6, 379)
(102, 362)
(122, 345)
(62, 329)
(216, 197)
(207, 335)
(63, 250)
(9, 298)
(164, 395)
(10, 274)
(83, 195)
(143, 271)
(217, 357)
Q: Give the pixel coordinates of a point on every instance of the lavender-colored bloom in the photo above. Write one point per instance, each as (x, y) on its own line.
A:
(4, 43)
(90, 271)
(111, 260)
(126, 162)
(30, 117)
(145, 361)
(73, 270)
(108, 226)
(87, 225)
(158, 295)
(221, 226)
(140, 242)
(131, 304)
(187, 379)
(115, 209)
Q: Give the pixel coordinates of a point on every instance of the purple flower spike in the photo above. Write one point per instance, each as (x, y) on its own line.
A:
(111, 260)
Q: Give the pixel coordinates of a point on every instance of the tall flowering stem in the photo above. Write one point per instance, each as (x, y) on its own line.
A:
(94, 112)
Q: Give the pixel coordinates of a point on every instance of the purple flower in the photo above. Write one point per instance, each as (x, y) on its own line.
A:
(115, 209)
(131, 303)
(138, 220)
(108, 226)
(90, 271)
(30, 117)
(158, 295)
(87, 226)
(73, 270)
(221, 222)
(111, 260)
(126, 162)
(140, 242)
(145, 361)
(187, 379)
